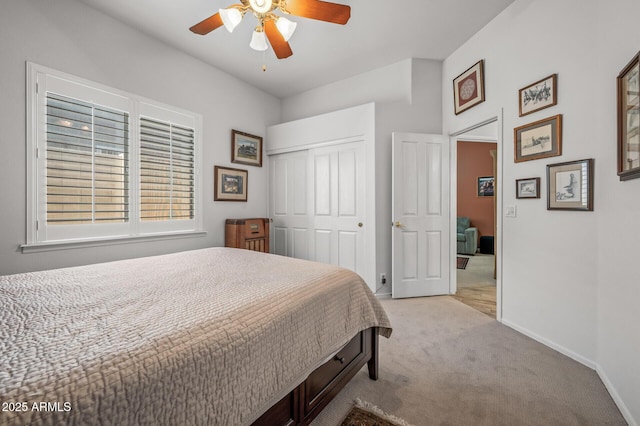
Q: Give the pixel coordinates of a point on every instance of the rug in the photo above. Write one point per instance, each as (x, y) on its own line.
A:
(366, 414)
(462, 262)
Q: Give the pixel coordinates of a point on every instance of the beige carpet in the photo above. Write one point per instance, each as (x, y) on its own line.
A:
(448, 364)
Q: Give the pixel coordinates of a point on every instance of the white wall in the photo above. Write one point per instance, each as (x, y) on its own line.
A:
(408, 98)
(569, 278)
(69, 36)
(618, 231)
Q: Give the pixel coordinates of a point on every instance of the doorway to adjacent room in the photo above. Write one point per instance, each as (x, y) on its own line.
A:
(476, 222)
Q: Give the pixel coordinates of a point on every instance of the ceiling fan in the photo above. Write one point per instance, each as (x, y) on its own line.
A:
(278, 29)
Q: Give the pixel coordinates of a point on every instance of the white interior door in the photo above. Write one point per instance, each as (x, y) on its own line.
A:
(338, 205)
(318, 206)
(289, 208)
(420, 215)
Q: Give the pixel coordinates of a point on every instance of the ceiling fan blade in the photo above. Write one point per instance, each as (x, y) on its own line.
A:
(278, 43)
(208, 25)
(320, 10)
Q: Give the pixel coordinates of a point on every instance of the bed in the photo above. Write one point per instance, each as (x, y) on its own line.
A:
(215, 336)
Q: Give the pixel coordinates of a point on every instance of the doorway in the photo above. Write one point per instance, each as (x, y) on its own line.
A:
(476, 225)
(481, 282)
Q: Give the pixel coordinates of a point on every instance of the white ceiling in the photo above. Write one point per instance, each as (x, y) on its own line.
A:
(322, 52)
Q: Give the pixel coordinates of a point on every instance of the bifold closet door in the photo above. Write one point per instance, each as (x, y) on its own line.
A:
(317, 204)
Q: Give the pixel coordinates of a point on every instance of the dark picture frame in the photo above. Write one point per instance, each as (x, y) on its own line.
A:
(528, 188)
(230, 184)
(468, 88)
(246, 148)
(628, 85)
(486, 186)
(540, 139)
(539, 95)
(570, 185)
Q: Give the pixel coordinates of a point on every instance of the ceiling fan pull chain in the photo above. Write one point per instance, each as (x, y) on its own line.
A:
(264, 61)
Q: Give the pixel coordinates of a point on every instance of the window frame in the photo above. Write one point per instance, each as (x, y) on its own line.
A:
(40, 235)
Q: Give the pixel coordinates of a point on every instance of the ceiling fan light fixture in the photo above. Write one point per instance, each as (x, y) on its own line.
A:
(258, 41)
(230, 18)
(286, 27)
(261, 6)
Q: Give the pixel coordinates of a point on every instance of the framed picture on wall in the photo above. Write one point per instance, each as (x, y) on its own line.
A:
(486, 186)
(528, 188)
(570, 185)
(540, 139)
(468, 88)
(246, 148)
(539, 95)
(230, 184)
(629, 120)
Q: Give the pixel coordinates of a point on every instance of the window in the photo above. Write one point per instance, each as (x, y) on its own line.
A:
(105, 164)
(166, 171)
(87, 162)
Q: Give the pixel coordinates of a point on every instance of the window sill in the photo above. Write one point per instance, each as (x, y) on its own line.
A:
(107, 241)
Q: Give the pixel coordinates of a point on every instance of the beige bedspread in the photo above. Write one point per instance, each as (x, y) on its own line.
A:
(208, 336)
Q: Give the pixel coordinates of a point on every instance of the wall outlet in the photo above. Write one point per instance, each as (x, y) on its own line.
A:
(383, 278)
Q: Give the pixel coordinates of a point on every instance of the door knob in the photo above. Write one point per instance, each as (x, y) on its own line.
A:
(360, 225)
(398, 225)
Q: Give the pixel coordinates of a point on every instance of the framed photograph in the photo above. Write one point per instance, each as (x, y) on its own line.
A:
(539, 95)
(528, 188)
(540, 139)
(246, 148)
(485, 186)
(468, 88)
(628, 120)
(229, 184)
(570, 185)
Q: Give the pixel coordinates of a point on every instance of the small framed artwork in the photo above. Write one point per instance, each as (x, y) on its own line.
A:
(540, 139)
(539, 95)
(468, 88)
(570, 185)
(230, 184)
(528, 188)
(629, 120)
(246, 148)
(486, 186)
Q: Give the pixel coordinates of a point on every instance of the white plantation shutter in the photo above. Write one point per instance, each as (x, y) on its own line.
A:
(87, 162)
(107, 165)
(166, 171)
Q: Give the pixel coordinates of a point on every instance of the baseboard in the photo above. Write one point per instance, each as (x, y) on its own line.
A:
(576, 357)
(582, 360)
(616, 397)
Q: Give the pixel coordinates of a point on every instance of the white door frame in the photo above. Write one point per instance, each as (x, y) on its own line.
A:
(453, 139)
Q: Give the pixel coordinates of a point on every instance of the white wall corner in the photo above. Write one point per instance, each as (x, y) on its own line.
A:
(553, 345)
(624, 410)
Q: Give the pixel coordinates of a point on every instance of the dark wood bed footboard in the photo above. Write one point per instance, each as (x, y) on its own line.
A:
(308, 399)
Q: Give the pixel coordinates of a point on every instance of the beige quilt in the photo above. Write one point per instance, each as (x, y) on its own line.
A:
(205, 337)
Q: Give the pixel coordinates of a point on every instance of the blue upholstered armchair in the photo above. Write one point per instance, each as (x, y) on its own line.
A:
(467, 236)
